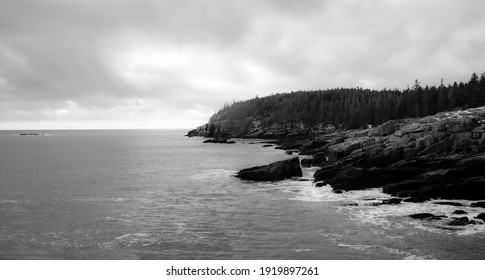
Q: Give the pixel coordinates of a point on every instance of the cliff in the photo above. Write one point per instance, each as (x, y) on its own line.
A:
(439, 156)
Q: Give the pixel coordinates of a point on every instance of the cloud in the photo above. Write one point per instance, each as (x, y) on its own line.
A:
(162, 64)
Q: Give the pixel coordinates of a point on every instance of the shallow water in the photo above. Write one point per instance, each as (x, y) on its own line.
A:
(153, 194)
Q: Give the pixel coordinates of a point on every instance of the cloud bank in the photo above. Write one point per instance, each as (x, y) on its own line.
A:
(170, 64)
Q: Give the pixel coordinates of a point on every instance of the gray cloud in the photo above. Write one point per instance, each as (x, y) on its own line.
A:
(126, 63)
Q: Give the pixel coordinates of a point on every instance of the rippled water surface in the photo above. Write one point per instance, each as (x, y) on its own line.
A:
(153, 194)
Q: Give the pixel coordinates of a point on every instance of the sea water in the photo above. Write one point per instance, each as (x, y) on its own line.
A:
(155, 194)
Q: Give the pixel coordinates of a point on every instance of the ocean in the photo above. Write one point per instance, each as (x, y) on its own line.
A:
(155, 194)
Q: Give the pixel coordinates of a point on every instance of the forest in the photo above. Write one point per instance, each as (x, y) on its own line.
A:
(357, 107)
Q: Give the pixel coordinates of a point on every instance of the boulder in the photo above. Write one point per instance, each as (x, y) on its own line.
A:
(349, 204)
(425, 216)
(475, 222)
(318, 158)
(392, 201)
(459, 212)
(448, 203)
(327, 172)
(457, 221)
(219, 141)
(320, 184)
(480, 216)
(279, 170)
(478, 204)
(312, 147)
(306, 162)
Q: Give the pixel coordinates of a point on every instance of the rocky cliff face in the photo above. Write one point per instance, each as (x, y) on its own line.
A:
(437, 156)
(249, 128)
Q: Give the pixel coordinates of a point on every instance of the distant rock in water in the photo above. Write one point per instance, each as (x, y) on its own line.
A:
(425, 216)
(459, 212)
(448, 203)
(481, 216)
(219, 141)
(275, 171)
(31, 134)
(478, 204)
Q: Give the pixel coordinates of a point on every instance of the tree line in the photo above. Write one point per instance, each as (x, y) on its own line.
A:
(358, 107)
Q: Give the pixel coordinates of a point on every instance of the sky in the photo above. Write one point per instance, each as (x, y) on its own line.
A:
(123, 64)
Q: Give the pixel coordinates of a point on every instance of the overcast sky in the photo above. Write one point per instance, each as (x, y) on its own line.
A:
(171, 64)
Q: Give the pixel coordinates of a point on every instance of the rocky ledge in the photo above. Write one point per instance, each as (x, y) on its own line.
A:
(279, 170)
(219, 141)
(440, 156)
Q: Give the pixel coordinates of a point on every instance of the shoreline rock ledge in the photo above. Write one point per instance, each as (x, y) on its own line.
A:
(439, 156)
(275, 171)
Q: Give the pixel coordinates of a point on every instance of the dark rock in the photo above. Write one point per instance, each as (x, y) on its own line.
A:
(478, 204)
(267, 145)
(457, 221)
(312, 147)
(402, 186)
(459, 212)
(448, 203)
(421, 215)
(392, 201)
(350, 204)
(318, 158)
(475, 222)
(279, 170)
(480, 216)
(306, 162)
(374, 204)
(474, 164)
(327, 172)
(424, 216)
(219, 141)
(320, 184)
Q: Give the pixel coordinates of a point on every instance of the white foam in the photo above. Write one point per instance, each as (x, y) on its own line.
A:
(303, 250)
(366, 248)
(9, 201)
(137, 235)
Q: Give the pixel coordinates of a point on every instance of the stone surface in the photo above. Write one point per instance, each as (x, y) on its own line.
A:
(425, 216)
(219, 141)
(279, 170)
(457, 221)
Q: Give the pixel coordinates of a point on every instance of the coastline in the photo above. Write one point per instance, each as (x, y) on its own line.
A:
(414, 160)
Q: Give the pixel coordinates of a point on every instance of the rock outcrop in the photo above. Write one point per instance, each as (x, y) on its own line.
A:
(219, 141)
(440, 156)
(279, 170)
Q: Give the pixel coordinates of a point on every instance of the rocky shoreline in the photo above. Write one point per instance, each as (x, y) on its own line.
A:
(414, 160)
